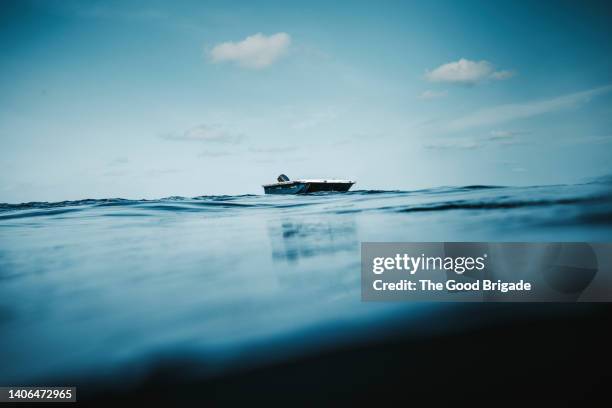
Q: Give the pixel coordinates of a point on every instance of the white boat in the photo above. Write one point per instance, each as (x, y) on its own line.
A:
(304, 186)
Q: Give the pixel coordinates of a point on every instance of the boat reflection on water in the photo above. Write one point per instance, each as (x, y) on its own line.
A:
(293, 239)
(317, 256)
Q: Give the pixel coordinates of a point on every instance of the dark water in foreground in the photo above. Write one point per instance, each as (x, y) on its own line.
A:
(94, 288)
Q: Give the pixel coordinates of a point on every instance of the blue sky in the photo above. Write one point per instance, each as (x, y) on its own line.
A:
(153, 99)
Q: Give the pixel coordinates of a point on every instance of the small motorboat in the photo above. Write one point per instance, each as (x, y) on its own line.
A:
(286, 186)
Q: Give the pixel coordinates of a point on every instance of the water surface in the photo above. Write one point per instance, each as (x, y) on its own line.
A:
(93, 288)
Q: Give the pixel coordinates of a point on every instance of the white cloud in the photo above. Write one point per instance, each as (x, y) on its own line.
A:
(204, 133)
(509, 112)
(429, 94)
(256, 51)
(465, 71)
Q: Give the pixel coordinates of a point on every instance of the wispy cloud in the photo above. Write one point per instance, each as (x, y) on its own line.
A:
(429, 94)
(205, 134)
(465, 71)
(118, 161)
(505, 134)
(453, 145)
(256, 51)
(509, 112)
(502, 75)
(493, 138)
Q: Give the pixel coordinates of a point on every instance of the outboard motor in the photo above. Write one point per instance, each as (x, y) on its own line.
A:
(282, 178)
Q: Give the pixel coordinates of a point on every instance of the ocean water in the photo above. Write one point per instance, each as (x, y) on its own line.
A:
(103, 290)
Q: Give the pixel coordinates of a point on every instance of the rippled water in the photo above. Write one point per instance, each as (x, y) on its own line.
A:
(96, 287)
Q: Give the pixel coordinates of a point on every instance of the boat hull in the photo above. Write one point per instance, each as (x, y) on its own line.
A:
(338, 187)
(297, 187)
(285, 188)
